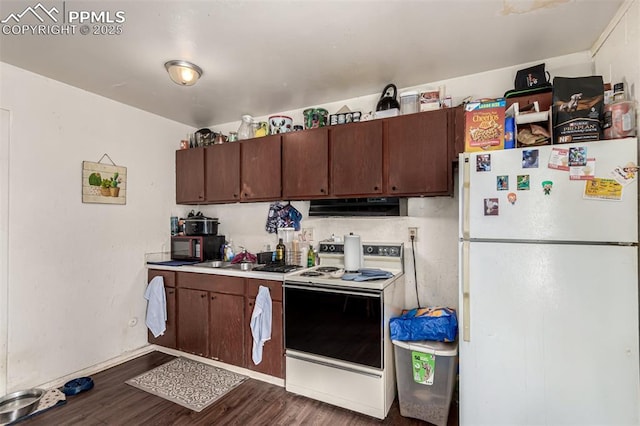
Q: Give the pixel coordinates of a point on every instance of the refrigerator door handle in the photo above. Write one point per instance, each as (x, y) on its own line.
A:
(466, 296)
(465, 198)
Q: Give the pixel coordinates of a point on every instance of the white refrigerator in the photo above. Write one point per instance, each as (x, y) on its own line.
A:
(549, 285)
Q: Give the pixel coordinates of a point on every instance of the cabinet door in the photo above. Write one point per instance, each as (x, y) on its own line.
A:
(168, 339)
(273, 350)
(417, 154)
(356, 159)
(190, 176)
(456, 131)
(305, 164)
(260, 169)
(193, 317)
(222, 172)
(226, 328)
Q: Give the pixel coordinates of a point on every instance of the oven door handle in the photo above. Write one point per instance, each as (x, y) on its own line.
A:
(331, 290)
(328, 364)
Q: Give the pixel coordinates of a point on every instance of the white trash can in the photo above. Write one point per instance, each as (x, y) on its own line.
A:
(426, 376)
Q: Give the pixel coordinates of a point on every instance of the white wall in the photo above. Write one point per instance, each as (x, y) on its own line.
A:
(617, 58)
(5, 117)
(76, 271)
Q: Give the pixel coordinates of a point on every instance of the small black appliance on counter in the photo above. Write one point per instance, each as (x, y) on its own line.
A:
(197, 247)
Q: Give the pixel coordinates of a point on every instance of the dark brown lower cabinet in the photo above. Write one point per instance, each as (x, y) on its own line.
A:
(273, 361)
(226, 328)
(168, 339)
(193, 321)
(210, 316)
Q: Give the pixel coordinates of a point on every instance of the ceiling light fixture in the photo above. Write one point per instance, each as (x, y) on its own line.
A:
(183, 73)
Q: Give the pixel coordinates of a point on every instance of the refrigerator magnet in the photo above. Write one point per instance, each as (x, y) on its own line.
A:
(502, 183)
(546, 187)
(586, 172)
(491, 207)
(483, 163)
(530, 159)
(523, 183)
(577, 156)
(512, 197)
(559, 159)
(625, 175)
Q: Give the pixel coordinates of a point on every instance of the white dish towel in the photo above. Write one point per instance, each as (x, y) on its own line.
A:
(156, 306)
(261, 323)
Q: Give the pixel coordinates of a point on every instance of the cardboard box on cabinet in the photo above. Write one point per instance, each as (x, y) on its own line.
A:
(484, 125)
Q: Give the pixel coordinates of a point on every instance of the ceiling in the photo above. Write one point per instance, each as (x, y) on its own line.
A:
(264, 57)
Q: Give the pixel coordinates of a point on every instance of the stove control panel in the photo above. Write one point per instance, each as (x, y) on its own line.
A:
(368, 249)
(332, 248)
(387, 250)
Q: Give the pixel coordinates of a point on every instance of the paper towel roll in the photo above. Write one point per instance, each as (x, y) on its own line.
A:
(352, 252)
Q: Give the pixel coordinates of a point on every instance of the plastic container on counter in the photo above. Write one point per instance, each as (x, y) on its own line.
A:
(426, 376)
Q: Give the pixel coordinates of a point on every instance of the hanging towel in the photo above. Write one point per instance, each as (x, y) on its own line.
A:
(261, 323)
(156, 306)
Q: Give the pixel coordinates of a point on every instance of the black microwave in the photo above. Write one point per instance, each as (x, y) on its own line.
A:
(197, 247)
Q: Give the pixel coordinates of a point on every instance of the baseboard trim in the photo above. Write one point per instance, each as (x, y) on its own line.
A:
(150, 348)
(127, 356)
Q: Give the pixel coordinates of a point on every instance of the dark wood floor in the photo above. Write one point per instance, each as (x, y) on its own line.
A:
(112, 402)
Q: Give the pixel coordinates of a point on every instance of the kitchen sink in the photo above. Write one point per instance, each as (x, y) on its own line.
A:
(243, 266)
(226, 265)
(214, 264)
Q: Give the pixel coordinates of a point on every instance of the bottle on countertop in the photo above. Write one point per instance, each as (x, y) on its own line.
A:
(280, 252)
(311, 257)
(227, 251)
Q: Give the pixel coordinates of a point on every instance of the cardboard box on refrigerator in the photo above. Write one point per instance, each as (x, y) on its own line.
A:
(484, 125)
(531, 128)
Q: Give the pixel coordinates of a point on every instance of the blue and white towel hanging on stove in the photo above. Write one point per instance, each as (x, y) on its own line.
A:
(261, 323)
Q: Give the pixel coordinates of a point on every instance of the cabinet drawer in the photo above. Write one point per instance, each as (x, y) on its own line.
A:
(208, 282)
(275, 287)
(168, 276)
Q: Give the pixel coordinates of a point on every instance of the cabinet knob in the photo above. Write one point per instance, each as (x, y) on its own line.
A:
(235, 195)
(213, 297)
(171, 291)
(203, 295)
(322, 190)
(393, 188)
(375, 188)
(246, 195)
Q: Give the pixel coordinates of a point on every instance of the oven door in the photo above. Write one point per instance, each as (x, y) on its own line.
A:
(334, 322)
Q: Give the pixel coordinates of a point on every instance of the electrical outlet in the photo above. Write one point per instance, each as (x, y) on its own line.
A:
(413, 233)
(307, 234)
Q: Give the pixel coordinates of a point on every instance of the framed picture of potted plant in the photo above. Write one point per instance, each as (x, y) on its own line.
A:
(104, 183)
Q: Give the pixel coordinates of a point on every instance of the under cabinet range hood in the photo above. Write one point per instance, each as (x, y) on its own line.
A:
(372, 206)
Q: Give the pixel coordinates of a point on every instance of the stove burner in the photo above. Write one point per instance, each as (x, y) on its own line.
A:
(273, 267)
(311, 274)
(327, 269)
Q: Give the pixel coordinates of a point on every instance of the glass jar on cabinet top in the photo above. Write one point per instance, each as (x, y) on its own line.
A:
(245, 131)
(260, 128)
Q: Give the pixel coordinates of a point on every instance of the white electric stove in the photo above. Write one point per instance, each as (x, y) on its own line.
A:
(382, 257)
(338, 348)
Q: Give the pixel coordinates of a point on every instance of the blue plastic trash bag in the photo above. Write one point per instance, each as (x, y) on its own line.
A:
(436, 323)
